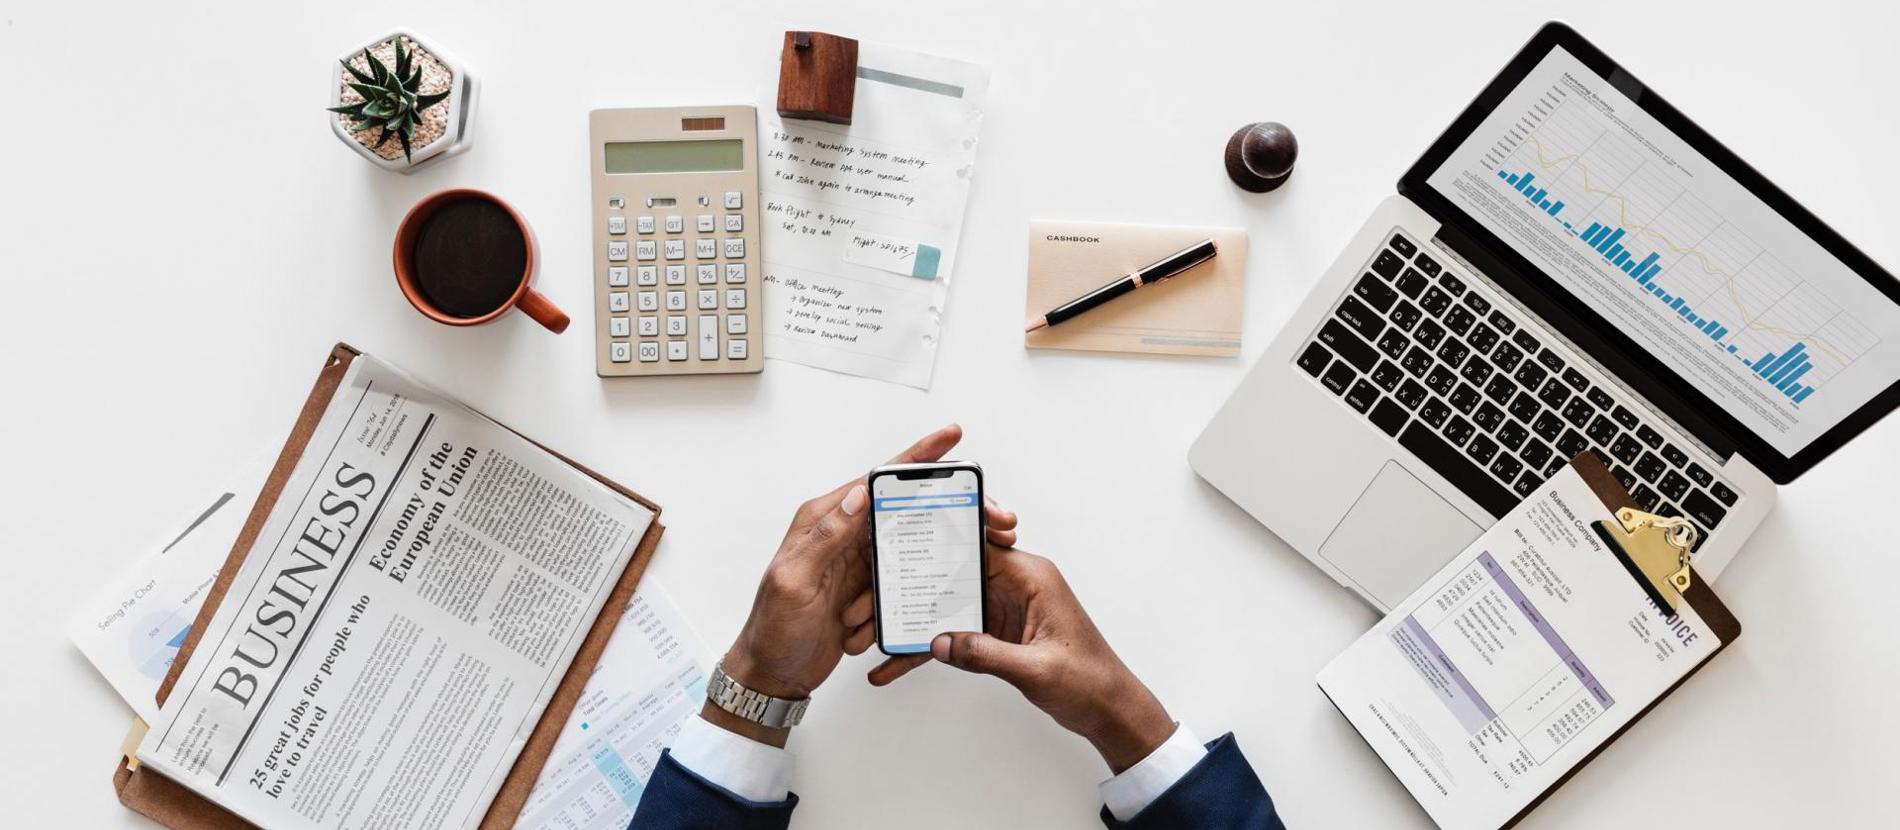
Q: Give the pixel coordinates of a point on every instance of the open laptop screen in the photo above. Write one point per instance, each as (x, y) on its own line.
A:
(1707, 277)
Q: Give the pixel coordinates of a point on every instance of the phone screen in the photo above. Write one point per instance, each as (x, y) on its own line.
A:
(929, 539)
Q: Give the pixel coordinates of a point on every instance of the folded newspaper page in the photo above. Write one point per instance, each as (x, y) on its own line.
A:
(399, 625)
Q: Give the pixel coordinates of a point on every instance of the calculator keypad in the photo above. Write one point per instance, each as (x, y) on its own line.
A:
(672, 253)
(706, 344)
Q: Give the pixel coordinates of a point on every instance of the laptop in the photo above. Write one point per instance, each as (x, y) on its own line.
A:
(1573, 266)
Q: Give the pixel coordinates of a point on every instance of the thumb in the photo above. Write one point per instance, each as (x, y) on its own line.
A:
(844, 522)
(983, 654)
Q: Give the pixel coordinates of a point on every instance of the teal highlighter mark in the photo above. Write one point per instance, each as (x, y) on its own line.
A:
(614, 769)
(925, 264)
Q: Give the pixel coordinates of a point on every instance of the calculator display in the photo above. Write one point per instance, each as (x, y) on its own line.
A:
(709, 156)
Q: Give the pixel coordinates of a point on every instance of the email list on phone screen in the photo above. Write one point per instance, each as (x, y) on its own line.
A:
(929, 557)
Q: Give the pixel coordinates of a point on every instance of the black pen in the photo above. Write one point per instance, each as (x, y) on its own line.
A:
(1155, 272)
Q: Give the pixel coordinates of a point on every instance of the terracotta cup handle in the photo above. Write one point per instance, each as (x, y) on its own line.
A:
(537, 306)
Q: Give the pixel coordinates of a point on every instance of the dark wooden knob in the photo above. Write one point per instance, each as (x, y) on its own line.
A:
(1260, 156)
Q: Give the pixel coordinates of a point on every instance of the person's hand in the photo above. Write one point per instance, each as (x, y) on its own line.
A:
(813, 604)
(1037, 638)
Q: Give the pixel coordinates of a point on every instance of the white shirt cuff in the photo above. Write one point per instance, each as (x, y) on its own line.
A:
(1129, 793)
(748, 769)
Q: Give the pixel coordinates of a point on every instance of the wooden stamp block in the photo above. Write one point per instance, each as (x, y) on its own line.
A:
(817, 77)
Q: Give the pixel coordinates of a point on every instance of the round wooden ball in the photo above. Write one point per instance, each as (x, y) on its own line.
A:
(1260, 156)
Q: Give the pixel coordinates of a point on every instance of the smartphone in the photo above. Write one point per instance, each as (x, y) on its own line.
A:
(927, 554)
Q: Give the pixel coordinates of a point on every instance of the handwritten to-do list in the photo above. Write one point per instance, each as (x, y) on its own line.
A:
(861, 221)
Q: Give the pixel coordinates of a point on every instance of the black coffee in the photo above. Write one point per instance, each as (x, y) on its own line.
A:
(470, 257)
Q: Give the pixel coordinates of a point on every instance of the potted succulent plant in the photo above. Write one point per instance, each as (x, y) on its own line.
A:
(402, 102)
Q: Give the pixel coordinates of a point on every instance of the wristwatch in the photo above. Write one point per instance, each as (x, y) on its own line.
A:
(763, 709)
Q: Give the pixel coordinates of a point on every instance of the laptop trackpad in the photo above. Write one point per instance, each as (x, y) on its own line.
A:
(1396, 536)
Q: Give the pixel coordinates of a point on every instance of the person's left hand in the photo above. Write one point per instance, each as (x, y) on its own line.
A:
(814, 603)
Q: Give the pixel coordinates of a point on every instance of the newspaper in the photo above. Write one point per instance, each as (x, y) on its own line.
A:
(398, 627)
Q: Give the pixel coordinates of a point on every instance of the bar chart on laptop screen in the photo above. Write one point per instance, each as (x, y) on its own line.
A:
(1615, 201)
(1707, 278)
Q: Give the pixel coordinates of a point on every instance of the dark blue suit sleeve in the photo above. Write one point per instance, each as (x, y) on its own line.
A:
(676, 798)
(1220, 792)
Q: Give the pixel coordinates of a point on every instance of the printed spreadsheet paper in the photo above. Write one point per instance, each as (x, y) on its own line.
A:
(861, 221)
(651, 678)
(1514, 663)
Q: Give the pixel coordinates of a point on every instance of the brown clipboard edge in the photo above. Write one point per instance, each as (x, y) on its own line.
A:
(176, 806)
(1722, 624)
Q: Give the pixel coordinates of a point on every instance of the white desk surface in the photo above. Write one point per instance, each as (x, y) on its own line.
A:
(183, 239)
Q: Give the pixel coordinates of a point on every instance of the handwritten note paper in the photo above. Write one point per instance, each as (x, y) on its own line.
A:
(861, 221)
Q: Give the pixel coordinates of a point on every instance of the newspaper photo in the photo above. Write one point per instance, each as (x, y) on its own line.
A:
(399, 625)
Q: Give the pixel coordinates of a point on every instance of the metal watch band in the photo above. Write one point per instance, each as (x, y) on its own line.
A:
(765, 710)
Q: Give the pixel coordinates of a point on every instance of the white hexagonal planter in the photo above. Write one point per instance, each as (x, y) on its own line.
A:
(447, 137)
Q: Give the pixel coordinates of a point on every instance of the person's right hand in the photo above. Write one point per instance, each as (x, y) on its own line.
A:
(1037, 638)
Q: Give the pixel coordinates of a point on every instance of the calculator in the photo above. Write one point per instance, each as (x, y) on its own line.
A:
(676, 240)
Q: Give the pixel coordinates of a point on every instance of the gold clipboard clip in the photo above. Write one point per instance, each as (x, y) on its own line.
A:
(1655, 549)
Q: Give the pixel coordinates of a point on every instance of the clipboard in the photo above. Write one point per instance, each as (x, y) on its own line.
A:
(1698, 595)
(1349, 690)
(176, 806)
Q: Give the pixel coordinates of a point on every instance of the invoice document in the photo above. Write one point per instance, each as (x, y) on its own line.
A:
(1517, 661)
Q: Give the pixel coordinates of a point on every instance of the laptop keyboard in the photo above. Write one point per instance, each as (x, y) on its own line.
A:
(1437, 363)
